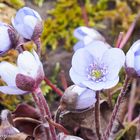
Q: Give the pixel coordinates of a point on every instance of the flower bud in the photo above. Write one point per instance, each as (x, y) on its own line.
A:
(86, 36)
(6, 127)
(77, 98)
(132, 64)
(28, 23)
(23, 78)
(5, 40)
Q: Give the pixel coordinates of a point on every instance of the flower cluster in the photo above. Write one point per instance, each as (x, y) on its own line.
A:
(28, 74)
(27, 24)
(96, 65)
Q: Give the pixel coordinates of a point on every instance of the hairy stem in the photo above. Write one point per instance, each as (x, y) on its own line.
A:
(41, 112)
(38, 44)
(116, 108)
(47, 112)
(132, 101)
(97, 115)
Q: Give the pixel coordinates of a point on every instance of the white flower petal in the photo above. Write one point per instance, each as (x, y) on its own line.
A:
(114, 59)
(111, 83)
(94, 85)
(37, 15)
(97, 49)
(101, 85)
(83, 32)
(81, 60)
(78, 45)
(4, 38)
(77, 79)
(130, 59)
(137, 63)
(78, 89)
(8, 73)
(30, 21)
(86, 99)
(11, 90)
(135, 46)
(29, 69)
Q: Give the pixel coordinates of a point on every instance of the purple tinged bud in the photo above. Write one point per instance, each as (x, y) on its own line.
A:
(23, 78)
(5, 39)
(132, 64)
(77, 98)
(28, 23)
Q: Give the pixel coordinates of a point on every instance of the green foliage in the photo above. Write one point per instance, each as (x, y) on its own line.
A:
(67, 15)
(14, 3)
(38, 2)
(128, 133)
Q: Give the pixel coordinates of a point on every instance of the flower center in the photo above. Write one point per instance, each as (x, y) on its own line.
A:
(97, 72)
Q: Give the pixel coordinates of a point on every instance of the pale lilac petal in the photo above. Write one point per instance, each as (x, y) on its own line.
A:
(97, 49)
(8, 73)
(94, 85)
(29, 69)
(4, 38)
(11, 90)
(81, 61)
(114, 59)
(78, 33)
(87, 40)
(78, 45)
(101, 85)
(77, 79)
(21, 29)
(36, 57)
(82, 32)
(32, 23)
(111, 83)
(86, 99)
(78, 89)
(21, 13)
(37, 15)
(135, 46)
(137, 63)
(130, 59)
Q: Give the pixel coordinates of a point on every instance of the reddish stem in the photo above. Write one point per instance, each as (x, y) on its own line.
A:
(63, 79)
(84, 12)
(120, 37)
(58, 126)
(44, 108)
(57, 90)
(129, 32)
(116, 108)
(41, 111)
(132, 102)
(97, 115)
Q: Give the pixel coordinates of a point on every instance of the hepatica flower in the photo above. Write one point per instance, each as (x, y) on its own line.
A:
(86, 35)
(23, 78)
(4, 38)
(25, 22)
(96, 66)
(133, 59)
